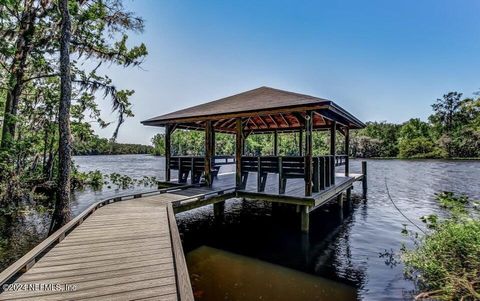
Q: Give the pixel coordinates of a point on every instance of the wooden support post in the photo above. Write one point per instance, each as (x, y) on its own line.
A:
(308, 154)
(259, 174)
(333, 131)
(275, 143)
(300, 142)
(347, 152)
(208, 153)
(219, 209)
(238, 152)
(340, 200)
(340, 205)
(168, 154)
(305, 218)
(348, 198)
(364, 179)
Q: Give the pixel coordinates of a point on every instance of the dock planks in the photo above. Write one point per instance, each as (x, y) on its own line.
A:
(114, 255)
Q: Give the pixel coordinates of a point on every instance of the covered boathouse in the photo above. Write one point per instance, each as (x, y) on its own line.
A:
(304, 180)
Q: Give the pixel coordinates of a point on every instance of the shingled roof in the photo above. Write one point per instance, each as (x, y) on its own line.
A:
(263, 109)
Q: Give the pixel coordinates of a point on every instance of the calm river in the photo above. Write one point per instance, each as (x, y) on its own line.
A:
(257, 253)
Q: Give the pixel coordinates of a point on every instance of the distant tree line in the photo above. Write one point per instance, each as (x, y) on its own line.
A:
(103, 146)
(452, 131)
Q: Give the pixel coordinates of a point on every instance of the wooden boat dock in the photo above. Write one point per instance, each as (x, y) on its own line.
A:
(129, 247)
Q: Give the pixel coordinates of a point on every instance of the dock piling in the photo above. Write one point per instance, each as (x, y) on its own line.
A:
(364, 179)
(219, 209)
(305, 218)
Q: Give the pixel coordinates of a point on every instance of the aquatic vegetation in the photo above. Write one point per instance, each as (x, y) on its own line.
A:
(93, 179)
(446, 262)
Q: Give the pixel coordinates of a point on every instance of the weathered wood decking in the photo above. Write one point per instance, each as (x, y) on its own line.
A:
(126, 250)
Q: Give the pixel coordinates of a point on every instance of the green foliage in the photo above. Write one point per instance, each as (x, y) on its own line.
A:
(453, 131)
(446, 262)
(419, 148)
(192, 143)
(93, 179)
(377, 139)
(125, 182)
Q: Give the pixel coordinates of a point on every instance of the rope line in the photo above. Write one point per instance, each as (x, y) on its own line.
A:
(398, 209)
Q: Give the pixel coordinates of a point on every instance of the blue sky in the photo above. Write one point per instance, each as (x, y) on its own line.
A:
(380, 60)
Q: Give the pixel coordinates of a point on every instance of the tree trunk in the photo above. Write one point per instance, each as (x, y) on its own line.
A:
(17, 71)
(62, 213)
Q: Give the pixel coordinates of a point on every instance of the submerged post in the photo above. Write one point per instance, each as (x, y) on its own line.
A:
(168, 154)
(238, 152)
(333, 138)
(364, 179)
(305, 218)
(208, 152)
(219, 209)
(347, 152)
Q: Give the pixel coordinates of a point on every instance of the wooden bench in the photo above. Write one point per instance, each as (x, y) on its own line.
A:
(290, 168)
(193, 166)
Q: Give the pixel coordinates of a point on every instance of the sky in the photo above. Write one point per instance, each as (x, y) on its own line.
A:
(380, 60)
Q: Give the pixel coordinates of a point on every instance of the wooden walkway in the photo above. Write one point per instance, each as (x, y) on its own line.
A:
(111, 255)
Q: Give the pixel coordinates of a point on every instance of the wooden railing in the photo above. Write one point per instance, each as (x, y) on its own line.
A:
(340, 160)
(195, 167)
(290, 167)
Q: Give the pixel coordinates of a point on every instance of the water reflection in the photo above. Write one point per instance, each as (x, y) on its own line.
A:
(221, 275)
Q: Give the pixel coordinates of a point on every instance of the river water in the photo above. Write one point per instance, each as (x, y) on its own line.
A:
(256, 251)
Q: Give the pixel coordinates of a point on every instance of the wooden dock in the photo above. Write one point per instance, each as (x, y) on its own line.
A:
(125, 248)
(129, 247)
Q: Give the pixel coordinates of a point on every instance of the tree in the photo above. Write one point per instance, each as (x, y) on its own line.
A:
(62, 213)
(28, 62)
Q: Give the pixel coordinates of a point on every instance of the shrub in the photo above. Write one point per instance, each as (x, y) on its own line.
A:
(446, 262)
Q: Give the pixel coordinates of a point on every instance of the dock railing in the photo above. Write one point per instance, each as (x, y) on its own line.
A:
(194, 167)
(290, 167)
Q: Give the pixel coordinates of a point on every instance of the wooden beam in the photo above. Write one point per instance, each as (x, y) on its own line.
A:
(300, 142)
(300, 118)
(253, 122)
(228, 123)
(347, 152)
(238, 152)
(333, 131)
(273, 120)
(285, 120)
(168, 153)
(275, 143)
(208, 152)
(263, 121)
(308, 154)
